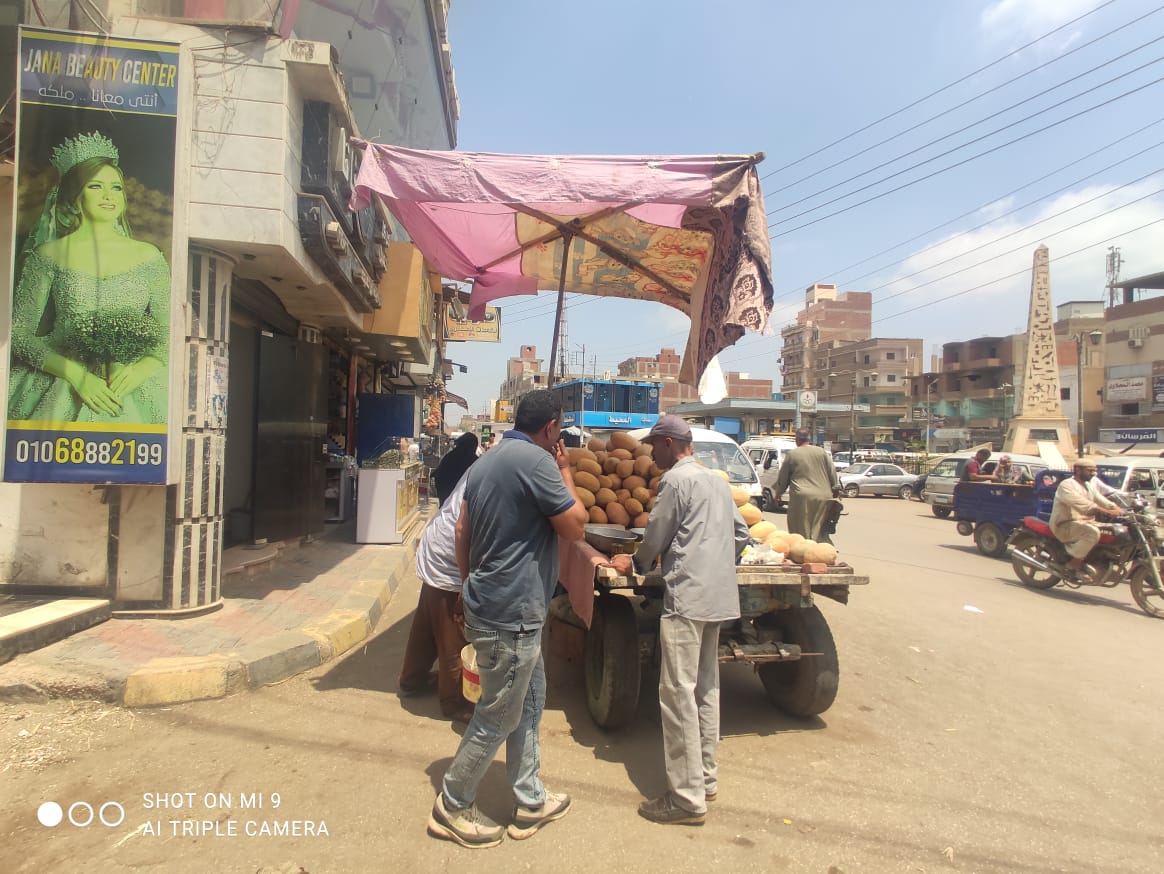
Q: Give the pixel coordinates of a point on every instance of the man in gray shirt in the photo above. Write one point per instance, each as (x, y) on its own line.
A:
(697, 531)
(808, 475)
(519, 499)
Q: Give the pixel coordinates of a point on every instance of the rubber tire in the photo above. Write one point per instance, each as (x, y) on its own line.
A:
(905, 492)
(990, 540)
(611, 662)
(808, 686)
(1029, 576)
(941, 512)
(852, 490)
(768, 501)
(921, 496)
(1145, 596)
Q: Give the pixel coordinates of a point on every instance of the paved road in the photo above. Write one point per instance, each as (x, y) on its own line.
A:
(1015, 737)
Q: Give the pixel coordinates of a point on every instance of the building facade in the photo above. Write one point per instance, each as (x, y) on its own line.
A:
(288, 307)
(664, 368)
(829, 318)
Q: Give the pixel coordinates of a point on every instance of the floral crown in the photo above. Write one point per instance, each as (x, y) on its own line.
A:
(80, 148)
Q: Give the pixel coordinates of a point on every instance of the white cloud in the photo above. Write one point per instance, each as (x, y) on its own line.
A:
(1030, 18)
(976, 304)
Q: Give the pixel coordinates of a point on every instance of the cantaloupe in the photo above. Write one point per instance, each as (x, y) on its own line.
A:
(822, 552)
(778, 540)
(740, 496)
(621, 454)
(603, 497)
(622, 440)
(798, 549)
(616, 514)
(588, 481)
(605, 482)
(596, 444)
(578, 453)
(610, 465)
(655, 470)
(653, 483)
(641, 520)
(598, 516)
(794, 539)
(625, 468)
(586, 497)
(751, 514)
(633, 507)
(642, 465)
(591, 466)
(760, 530)
(644, 449)
(622, 494)
(634, 482)
(641, 494)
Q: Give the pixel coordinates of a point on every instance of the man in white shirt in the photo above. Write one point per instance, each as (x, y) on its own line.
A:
(438, 625)
(1079, 500)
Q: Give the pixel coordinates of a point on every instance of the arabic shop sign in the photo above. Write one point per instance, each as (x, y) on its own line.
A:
(1131, 388)
(1136, 435)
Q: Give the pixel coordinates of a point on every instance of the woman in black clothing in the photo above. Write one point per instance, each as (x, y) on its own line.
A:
(456, 461)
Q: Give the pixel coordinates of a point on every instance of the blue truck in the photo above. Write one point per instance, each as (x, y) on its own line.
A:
(990, 511)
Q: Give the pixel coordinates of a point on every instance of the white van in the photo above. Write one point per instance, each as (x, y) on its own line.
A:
(766, 454)
(1133, 474)
(718, 451)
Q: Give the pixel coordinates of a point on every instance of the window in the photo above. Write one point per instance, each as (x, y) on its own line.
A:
(890, 356)
(866, 359)
(1065, 394)
(892, 377)
(1130, 409)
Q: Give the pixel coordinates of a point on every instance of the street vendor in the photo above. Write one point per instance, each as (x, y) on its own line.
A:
(697, 533)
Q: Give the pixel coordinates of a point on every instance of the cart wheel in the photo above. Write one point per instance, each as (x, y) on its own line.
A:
(612, 662)
(990, 540)
(808, 686)
(941, 512)
(965, 527)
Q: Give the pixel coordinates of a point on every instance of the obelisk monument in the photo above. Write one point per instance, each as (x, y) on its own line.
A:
(1039, 426)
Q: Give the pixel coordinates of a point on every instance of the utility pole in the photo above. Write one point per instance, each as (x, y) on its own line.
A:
(1114, 262)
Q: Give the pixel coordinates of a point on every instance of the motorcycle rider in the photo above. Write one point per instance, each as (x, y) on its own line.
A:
(1079, 500)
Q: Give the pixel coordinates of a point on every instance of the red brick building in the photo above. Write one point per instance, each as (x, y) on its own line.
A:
(664, 367)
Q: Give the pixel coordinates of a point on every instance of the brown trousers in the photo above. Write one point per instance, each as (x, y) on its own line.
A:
(436, 636)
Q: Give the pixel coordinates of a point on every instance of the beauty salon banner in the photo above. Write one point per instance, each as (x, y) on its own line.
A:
(88, 379)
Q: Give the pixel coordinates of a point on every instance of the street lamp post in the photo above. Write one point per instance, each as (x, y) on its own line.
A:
(930, 416)
(1094, 337)
(1007, 391)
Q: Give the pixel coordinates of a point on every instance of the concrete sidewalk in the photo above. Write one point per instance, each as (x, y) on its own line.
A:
(313, 603)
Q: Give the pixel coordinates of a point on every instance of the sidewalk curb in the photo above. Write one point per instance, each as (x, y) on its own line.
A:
(277, 657)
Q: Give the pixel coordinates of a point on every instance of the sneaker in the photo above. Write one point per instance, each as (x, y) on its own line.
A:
(467, 826)
(527, 820)
(664, 810)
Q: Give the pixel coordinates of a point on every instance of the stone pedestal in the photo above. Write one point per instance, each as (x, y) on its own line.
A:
(1039, 426)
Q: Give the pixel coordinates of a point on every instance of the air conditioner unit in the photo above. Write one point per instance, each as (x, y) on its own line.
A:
(1136, 343)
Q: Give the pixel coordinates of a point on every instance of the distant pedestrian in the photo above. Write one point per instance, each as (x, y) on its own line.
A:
(808, 475)
(696, 532)
(519, 499)
(437, 631)
(453, 466)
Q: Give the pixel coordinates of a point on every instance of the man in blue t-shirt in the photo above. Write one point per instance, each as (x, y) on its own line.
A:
(519, 499)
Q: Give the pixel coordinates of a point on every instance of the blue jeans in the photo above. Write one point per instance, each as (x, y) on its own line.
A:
(513, 696)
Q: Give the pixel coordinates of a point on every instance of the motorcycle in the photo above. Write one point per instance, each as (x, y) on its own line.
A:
(1127, 552)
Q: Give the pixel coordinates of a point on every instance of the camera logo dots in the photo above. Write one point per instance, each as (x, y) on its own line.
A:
(81, 814)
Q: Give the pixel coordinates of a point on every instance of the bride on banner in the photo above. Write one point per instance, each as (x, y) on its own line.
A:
(91, 310)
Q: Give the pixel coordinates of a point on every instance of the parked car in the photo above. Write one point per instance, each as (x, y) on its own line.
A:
(876, 479)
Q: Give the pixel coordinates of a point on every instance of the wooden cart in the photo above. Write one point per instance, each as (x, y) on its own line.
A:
(781, 632)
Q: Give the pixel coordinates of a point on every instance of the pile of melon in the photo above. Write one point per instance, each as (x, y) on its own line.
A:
(795, 548)
(617, 479)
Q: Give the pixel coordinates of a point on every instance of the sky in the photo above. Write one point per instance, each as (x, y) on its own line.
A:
(920, 151)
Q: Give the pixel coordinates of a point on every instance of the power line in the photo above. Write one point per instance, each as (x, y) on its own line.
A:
(1023, 187)
(944, 88)
(951, 151)
(938, 172)
(972, 124)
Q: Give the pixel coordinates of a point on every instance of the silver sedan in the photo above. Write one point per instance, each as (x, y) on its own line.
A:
(876, 479)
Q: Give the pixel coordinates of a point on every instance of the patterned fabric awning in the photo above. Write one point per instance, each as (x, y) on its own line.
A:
(686, 231)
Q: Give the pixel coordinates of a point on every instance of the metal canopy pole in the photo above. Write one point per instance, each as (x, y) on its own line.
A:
(567, 238)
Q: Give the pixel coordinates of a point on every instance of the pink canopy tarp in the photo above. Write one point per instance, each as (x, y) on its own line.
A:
(686, 231)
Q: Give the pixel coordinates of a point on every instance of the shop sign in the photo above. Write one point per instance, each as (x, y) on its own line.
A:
(1131, 388)
(96, 138)
(1136, 435)
(488, 330)
(952, 433)
(1158, 392)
